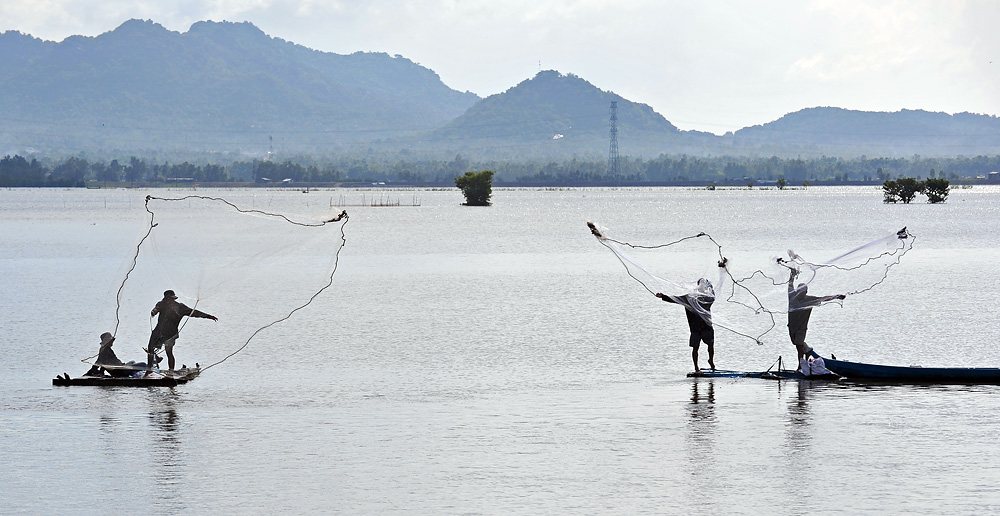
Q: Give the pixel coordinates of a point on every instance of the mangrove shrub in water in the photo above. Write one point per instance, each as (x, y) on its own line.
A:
(477, 187)
(906, 188)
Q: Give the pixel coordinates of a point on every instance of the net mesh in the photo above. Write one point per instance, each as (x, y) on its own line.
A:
(692, 269)
(250, 268)
(791, 282)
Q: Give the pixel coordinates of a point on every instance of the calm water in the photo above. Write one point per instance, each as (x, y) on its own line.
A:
(498, 361)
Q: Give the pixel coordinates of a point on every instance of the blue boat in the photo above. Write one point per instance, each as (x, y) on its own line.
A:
(913, 374)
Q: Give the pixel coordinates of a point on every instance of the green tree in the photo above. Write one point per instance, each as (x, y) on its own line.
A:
(890, 191)
(936, 190)
(110, 173)
(781, 183)
(908, 189)
(136, 170)
(477, 187)
(18, 171)
(73, 169)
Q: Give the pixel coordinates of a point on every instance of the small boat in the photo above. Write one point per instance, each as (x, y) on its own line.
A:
(780, 374)
(914, 374)
(146, 379)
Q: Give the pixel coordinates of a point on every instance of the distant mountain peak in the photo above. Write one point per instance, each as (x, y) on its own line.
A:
(227, 27)
(137, 27)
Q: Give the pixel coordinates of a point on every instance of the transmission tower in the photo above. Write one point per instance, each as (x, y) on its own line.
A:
(614, 168)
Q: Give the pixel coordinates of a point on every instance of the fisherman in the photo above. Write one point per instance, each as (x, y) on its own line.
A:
(109, 362)
(800, 306)
(165, 333)
(698, 308)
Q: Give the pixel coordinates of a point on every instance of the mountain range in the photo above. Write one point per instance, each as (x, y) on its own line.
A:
(229, 88)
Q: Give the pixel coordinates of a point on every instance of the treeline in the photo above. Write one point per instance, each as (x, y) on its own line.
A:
(18, 171)
(76, 171)
(729, 169)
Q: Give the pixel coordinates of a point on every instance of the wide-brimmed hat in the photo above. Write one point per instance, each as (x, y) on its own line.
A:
(169, 294)
(106, 339)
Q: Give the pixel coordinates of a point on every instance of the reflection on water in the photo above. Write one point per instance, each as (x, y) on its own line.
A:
(167, 447)
(702, 420)
(798, 431)
(703, 400)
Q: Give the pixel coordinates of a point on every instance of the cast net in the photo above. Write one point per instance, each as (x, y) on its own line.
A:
(690, 271)
(252, 267)
(753, 305)
(790, 282)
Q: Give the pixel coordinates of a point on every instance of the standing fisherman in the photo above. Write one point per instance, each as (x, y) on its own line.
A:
(800, 305)
(698, 308)
(165, 333)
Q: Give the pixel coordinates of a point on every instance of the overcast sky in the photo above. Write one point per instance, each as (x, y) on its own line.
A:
(714, 66)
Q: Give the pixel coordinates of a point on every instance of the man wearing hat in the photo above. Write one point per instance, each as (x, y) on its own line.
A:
(167, 325)
(108, 361)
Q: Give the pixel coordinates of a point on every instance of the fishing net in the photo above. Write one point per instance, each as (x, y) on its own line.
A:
(790, 282)
(753, 305)
(690, 271)
(251, 268)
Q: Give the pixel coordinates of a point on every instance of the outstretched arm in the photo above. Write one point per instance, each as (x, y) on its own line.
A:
(203, 315)
(665, 297)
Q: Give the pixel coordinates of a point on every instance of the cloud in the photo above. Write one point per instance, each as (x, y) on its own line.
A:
(876, 38)
(716, 65)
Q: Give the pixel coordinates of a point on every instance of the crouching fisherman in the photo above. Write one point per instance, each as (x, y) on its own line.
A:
(108, 362)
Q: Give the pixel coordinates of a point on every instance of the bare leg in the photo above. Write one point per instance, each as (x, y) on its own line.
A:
(170, 353)
(711, 356)
(694, 343)
(801, 348)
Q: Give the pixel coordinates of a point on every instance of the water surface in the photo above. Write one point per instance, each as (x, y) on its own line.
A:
(499, 361)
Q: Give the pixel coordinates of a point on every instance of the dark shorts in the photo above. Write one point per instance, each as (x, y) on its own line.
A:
(157, 341)
(707, 336)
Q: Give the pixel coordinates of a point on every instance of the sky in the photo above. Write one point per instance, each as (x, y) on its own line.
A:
(712, 66)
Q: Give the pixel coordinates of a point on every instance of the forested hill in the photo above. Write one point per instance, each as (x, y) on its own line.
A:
(558, 115)
(834, 131)
(217, 86)
(230, 89)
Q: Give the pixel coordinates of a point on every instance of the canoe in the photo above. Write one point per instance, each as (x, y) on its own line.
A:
(153, 379)
(914, 374)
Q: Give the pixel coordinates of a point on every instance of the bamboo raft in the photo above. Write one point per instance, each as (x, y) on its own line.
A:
(149, 379)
